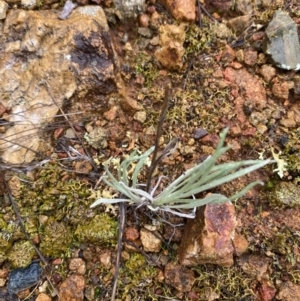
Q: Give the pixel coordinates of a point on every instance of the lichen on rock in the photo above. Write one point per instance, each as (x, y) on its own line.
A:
(285, 194)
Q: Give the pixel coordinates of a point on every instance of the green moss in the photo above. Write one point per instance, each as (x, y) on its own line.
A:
(199, 40)
(56, 239)
(137, 273)
(145, 66)
(65, 202)
(135, 262)
(228, 283)
(21, 254)
(102, 229)
(5, 244)
(283, 244)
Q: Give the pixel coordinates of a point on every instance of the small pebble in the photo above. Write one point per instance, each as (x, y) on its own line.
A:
(143, 20)
(151, 9)
(200, 133)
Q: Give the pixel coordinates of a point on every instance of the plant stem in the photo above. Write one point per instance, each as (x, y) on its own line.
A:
(163, 113)
(122, 221)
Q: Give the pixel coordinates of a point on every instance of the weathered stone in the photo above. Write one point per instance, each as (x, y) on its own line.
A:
(282, 42)
(289, 291)
(105, 257)
(144, 20)
(67, 9)
(281, 89)
(240, 244)
(77, 266)
(43, 297)
(131, 234)
(254, 265)
(268, 72)
(179, 277)
(171, 52)
(266, 290)
(53, 59)
(208, 237)
(250, 88)
(227, 55)
(239, 24)
(170, 56)
(83, 166)
(296, 89)
(272, 3)
(289, 121)
(3, 9)
(29, 4)
(150, 241)
(2, 109)
(181, 10)
(250, 57)
(72, 288)
(145, 32)
(140, 116)
(22, 278)
(2, 282)
(243, 6)
(129, 8)
(170, 33)
(257, 117)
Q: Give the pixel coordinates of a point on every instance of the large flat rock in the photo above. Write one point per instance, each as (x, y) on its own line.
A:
(45, 61)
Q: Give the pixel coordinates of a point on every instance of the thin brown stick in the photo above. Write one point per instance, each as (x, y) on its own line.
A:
(19, 218)
(122, 221)
(159, 131)
(207, 13)
(199, 14)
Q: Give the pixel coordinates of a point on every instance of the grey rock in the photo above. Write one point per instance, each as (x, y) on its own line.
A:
(145, 32)
(22, 278)
(282, 42)
(30, 4)
(130, 8)
(67, 9)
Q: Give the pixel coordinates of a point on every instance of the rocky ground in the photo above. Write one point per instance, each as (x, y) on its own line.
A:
(84, 82)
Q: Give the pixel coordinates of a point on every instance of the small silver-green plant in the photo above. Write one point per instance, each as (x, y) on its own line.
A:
(179, 196)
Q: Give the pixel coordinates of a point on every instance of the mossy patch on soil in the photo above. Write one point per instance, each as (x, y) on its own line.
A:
(55, 208)
(102, 229)
(136, 274)
(21, 254)
(226, 283)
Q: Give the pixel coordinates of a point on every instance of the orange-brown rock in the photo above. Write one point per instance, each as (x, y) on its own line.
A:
(49, 60)
(171, 41)
(208, 237)
(179, 277)
(72, 288)
(181, 10)
(249, 87)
